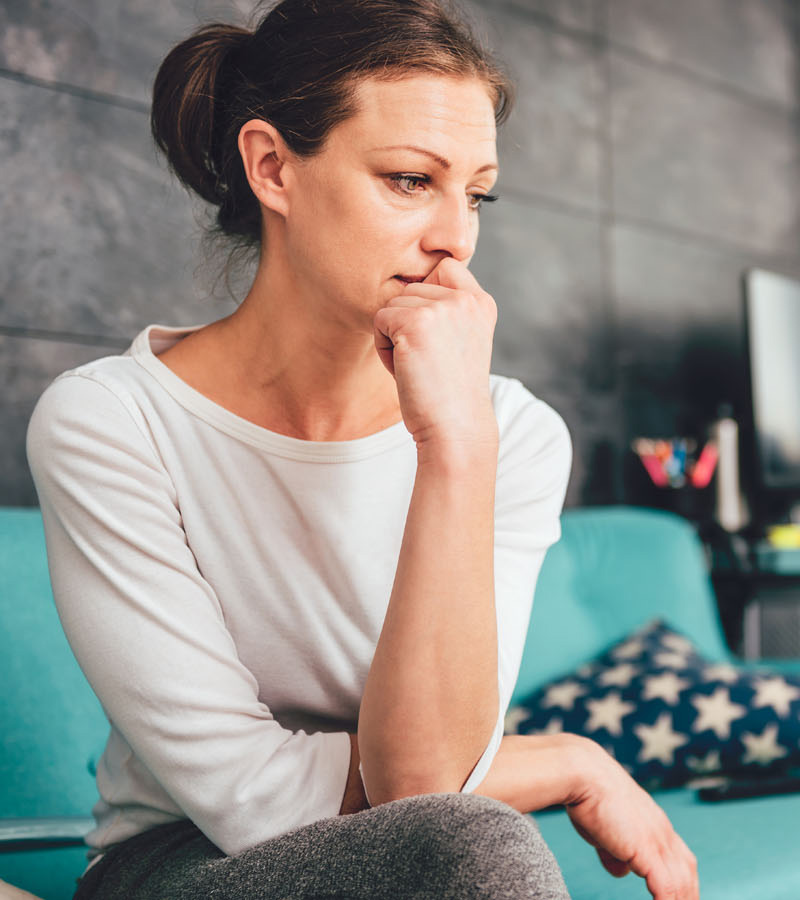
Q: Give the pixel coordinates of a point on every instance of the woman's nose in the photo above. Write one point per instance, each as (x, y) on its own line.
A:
(452, 229)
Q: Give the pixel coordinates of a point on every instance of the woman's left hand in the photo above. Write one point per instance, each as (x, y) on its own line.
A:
(608, 809)
(436, 340)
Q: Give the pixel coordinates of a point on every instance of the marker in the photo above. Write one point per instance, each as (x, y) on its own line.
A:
(654, 469)
(704, 467)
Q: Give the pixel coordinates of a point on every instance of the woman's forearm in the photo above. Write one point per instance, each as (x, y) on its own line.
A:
(430, 700)
(531, 772)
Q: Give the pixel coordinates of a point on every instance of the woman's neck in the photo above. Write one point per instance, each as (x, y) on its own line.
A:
(278, 362)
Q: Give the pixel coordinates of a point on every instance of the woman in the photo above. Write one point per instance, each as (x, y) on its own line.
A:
(294, 550)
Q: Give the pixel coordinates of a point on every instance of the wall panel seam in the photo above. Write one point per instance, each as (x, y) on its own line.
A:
(76, 91)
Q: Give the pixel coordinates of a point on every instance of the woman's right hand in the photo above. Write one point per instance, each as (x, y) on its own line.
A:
(629, 830)
(435, 338)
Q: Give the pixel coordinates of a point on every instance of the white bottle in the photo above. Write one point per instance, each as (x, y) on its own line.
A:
(731, 511)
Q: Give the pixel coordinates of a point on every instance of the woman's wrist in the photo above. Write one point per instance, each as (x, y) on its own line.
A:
(532, 772)
(458, 450)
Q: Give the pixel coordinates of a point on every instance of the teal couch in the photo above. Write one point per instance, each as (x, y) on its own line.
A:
(614, 569)
(50, 721)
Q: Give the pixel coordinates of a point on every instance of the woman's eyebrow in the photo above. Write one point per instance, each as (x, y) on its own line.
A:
(440, 160)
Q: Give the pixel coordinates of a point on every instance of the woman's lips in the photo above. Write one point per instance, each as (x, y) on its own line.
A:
(410, 279)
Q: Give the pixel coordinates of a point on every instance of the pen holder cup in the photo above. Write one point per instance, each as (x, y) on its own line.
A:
(695, 504)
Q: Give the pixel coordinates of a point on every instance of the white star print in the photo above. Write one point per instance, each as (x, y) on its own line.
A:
(563, 694)
(628, 650)
(667, 686)
(763, 748)
(608, 713)
(514, 717)
(721, 672)
(708, 763)
(670, 659)
(716, 712)
(586, 670)
(620, 675)
(659, 741)
(678, 643)
(775, 692)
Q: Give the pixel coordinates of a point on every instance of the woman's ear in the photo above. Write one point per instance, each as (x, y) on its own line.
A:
(264, 156)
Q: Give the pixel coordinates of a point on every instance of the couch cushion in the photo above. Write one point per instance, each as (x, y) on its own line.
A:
(746, 849)
(667, 714)
(50, 719)
(613, 569)
(50, 874)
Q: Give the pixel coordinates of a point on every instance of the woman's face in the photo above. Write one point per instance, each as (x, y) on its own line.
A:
(395, 189)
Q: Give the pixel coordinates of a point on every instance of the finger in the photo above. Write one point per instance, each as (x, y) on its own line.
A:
(691, 883)
(436, 292)
(384, 348)
(419, 298)
(453, 274)
(393, 322)
(695, 895)
(586, 836)
(617, 867)
(668, 877)
(681, 863)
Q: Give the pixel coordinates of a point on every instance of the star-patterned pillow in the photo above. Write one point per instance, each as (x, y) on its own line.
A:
(668, 715)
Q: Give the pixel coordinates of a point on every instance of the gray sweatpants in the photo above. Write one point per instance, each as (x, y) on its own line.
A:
(428, 847)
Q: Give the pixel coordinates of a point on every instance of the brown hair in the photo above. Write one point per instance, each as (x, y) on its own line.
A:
(297, 70)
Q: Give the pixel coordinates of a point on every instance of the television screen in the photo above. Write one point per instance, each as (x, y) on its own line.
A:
(773, 331)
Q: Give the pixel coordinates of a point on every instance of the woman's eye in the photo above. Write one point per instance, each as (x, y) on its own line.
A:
(477, 200)
(409, 184)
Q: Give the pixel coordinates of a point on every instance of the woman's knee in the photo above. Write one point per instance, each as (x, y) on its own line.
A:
(478, 846)
(464, 818)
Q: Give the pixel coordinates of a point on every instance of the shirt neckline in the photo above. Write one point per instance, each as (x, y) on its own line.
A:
(157, 338)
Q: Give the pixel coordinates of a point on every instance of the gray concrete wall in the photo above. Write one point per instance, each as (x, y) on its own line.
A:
(653, 156)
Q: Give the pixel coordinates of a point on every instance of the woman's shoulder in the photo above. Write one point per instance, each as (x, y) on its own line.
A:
(524, 417)
(78, 389)
(95, 403)
(535, 454)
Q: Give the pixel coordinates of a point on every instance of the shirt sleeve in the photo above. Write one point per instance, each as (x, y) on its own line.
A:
(149, 631)
(532, 473)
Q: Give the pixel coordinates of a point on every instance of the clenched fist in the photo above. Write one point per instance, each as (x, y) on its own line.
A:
(436, 340)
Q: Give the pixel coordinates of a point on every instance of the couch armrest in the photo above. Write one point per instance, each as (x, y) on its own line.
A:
(37, 834)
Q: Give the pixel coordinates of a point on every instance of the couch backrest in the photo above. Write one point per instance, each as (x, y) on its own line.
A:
(50, 720)
(616, 568)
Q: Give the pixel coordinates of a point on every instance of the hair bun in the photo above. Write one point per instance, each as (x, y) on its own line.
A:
(188, 116)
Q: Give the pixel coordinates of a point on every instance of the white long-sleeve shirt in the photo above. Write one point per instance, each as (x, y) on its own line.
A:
(223, 586)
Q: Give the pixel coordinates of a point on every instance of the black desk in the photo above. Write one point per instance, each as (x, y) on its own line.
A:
(758, 596)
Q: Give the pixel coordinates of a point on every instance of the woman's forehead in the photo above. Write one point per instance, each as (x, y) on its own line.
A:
(446, 115)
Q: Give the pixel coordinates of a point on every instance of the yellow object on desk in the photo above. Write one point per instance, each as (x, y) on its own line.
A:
(784, 536)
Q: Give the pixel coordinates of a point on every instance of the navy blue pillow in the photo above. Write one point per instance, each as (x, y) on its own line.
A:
(668, 715)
